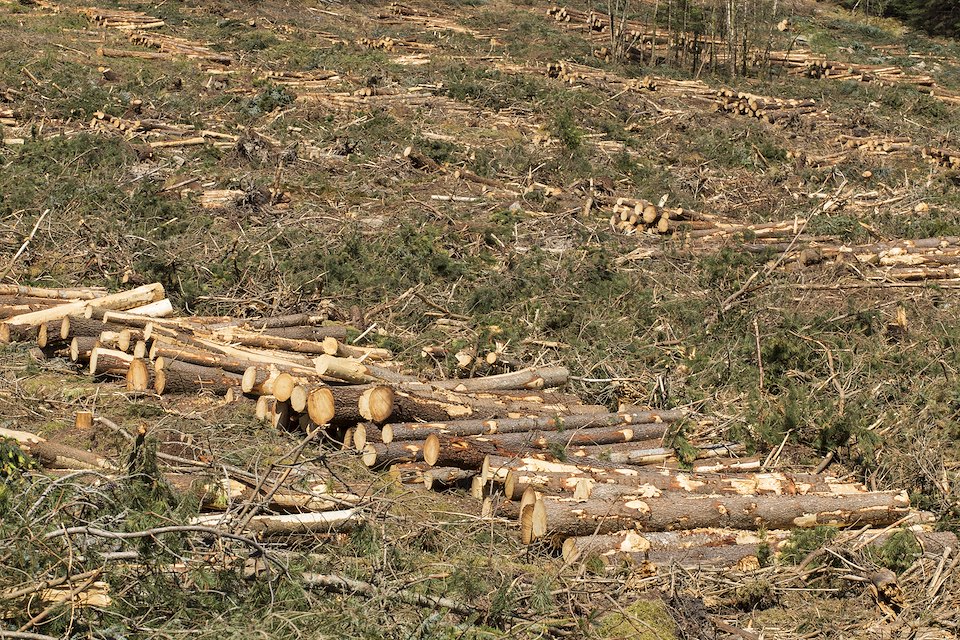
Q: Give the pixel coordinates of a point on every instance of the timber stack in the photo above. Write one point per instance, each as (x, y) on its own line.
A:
(576, 476)
(764, 107)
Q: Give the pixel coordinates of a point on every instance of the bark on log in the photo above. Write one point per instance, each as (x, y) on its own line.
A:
(446, 477)
(293, 523)
(52, 454)
(566, 517)
(532, 378)
(80, 293)
(82, 348)
(49, 334)
(379, 455)
(109, 363)
(355, 372)
(545, 440)
(172, 377)
(291, 320)
(567, 425)
(122, 300)
(77, 325)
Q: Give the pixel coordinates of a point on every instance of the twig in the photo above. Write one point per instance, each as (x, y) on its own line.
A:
(25, 635)
(26, 242)
(46, 584)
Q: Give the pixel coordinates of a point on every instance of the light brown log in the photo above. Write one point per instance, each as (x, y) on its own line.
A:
(264, 408)
(332, 346)
(172, 377)
(140, 376)
(321, 405)
(365, 432)
(379, 455)
(80, 293)
(128, 339)
(48, 334)
(267, 341)
(122, 300)
(566, 517)
(355, 372)
(83, 420)
(564, 424)
(109, 339)
(81, 348)
(376, 404)
(140, 349)
(727, 464)
(298, 332)
(232, 363)
(531, 378)
(109, 363)
(53, 454)
(294, 523)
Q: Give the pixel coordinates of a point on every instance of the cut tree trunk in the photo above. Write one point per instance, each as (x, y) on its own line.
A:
(140, 376)
(109, 363)
(172, 377)
(566, 517)
(567, 425)
(532, 378)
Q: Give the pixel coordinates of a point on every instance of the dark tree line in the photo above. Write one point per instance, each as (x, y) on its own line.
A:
(939, 17)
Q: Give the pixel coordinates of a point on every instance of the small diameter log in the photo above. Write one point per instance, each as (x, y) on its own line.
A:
(306, 332)
(332, 346)
(109, 363)
(420, 161)
(565, 424)
(82, 348)
(722, 465)
(128, 339)
(258, 381)
(231, 363)
(365, 432)
(140, 376)
(276, 343)
(80, 293)
(173, 377)
(296, 320)
(124, 300)
(566, 517)
(264, 408)
(325, 522)
(532, 378)
(58, 456)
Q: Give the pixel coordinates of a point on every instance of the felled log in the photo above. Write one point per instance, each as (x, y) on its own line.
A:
(356, 372)
(140, 376)
(82, 348)
(564, 424)
(78, 325)
(531, 378)
(53, 454)
(379, 455)
(109, 363)
(67, 294)
(49, 334)
(446, 477)
(567, 517)
(20, 325)
(324, 522)
(172, 377)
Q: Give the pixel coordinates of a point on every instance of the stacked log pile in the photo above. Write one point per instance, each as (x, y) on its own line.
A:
(880, 145)
(632, 215)
(935, 259)
(948, 158)
(121, 19)
(315, 80)
(174, 45)
(8, 118)
(764, 107)
(570, 474)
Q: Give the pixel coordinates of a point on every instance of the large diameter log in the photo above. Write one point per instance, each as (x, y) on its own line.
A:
(532, 378)
(140, 375)
(48, 334)
(123, 300)
(109, 363)
(52, 454)
(172, 377)
(565, 424)
(77, 325)
(566, 517)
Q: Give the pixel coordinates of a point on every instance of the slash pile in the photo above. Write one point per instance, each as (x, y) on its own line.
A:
(573, 475)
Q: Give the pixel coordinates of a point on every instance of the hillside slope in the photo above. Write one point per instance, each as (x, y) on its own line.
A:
(774, 252)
